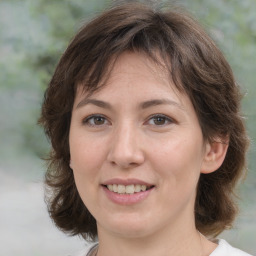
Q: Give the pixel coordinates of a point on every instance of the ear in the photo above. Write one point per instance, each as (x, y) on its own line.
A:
(215, 153)
(70, 164)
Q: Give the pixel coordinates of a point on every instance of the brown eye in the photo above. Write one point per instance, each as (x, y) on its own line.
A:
(160, 120)
(98, 120)
(95, 120)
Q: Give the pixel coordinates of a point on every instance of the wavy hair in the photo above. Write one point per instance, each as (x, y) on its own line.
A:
(198, 68)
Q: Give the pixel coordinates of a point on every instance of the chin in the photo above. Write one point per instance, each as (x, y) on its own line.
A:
(128, 227)
(132, 232)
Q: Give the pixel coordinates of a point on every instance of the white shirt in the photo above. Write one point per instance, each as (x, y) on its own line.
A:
(223, 249)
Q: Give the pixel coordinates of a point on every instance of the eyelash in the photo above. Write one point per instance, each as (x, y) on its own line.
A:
(87, 120)
(167, 120)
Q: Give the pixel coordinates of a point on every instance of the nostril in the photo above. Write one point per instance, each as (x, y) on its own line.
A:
(124, 163)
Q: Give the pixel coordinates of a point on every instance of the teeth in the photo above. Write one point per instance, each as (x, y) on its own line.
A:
(137, 188)
(115, 188)
(110, 187)
(143, 187)
(129, 189)
(120, 189)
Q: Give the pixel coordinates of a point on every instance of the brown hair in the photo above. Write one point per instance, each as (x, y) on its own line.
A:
(197, 68)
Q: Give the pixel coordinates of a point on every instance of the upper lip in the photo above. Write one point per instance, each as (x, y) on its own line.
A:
(126, 182)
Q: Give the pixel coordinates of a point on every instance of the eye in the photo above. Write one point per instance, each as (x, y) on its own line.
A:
(95, 120)
(160, 120)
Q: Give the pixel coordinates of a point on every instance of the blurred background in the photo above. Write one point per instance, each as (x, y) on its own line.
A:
(33, 35)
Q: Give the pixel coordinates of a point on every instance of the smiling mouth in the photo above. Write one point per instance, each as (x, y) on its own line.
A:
(129, 189)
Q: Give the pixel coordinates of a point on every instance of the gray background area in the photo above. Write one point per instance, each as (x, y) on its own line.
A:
(33, 34)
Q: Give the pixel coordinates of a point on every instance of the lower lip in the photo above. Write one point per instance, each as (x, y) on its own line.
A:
(127, 199)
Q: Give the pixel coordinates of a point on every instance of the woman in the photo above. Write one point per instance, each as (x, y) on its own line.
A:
(143, 114)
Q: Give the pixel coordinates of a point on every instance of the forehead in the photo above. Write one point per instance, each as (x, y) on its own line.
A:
(134, 80)
(132, 69)
(152, 65)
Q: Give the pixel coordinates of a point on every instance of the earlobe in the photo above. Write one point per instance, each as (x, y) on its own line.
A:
(215, 153)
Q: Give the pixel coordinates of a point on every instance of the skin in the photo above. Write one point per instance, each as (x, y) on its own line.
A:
(115, 134)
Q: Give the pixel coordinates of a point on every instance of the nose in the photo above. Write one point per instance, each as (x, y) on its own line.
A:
(125, 149)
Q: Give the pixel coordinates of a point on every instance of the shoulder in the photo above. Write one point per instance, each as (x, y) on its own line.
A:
(225, 249)
(89, 251)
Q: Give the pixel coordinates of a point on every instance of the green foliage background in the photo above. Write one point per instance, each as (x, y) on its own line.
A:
(33, 35)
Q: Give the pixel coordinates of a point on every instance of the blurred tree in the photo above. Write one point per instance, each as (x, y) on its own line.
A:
(63, 19)
(45, 27)
(232, 25)
(34, 33)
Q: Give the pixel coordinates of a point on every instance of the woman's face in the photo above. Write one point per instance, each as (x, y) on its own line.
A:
(136, 133)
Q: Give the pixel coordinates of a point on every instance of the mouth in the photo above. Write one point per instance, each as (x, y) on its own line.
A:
(127, 189)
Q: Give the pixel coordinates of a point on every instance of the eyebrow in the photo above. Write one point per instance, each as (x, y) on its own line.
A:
(156, 102)
(98, 103)
(142, 105)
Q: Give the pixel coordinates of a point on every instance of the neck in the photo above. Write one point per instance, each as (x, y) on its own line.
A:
(175, 242)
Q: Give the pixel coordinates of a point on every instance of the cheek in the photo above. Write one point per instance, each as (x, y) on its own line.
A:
(178, 158)
(85, 154)
(86, 164)
(87, 158)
